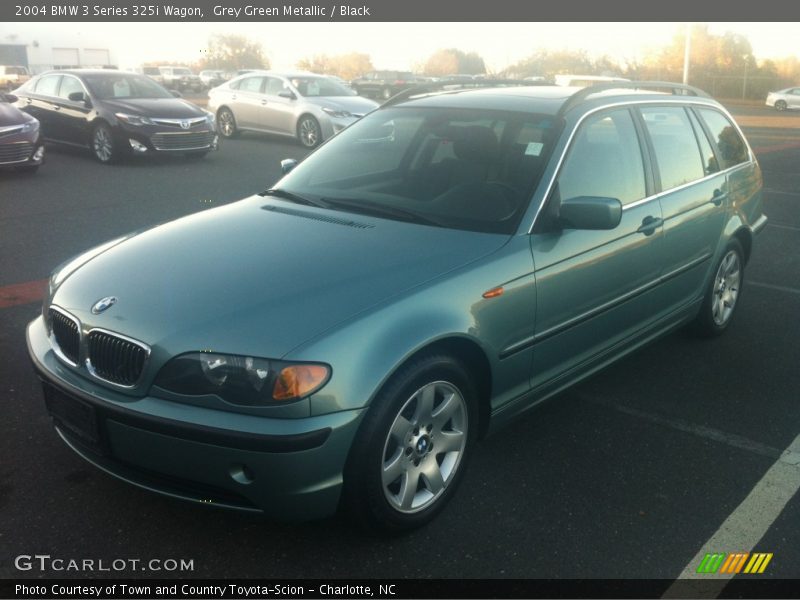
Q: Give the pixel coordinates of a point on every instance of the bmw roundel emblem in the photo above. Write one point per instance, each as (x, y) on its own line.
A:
(104, 304)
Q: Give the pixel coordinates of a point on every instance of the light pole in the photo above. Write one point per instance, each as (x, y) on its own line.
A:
(686, 53)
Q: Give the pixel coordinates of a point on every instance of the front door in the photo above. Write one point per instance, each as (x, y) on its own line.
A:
(596, 289)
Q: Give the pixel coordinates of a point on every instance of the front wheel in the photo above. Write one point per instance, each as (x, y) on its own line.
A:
(226, 123)
(104, 148)
(780, 105)
(723, 292)
(309, 132)
(411, 450)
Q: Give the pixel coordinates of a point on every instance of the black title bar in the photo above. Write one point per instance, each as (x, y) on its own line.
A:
(260, 589)
(394, 10)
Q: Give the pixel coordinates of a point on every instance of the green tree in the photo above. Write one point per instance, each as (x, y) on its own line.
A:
(347, 66)
(230, 52)
(452, 60)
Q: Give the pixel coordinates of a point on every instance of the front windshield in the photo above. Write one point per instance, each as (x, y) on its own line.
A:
(320, 86)
(123, 85)
(457, 168)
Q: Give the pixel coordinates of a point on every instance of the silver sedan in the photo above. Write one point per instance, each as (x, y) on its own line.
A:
(785, 99)
(310, 107)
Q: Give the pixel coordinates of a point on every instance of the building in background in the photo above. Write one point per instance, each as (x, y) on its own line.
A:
(65, 50)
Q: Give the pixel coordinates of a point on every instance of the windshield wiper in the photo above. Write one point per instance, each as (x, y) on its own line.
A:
(292, 197)
(379, 210)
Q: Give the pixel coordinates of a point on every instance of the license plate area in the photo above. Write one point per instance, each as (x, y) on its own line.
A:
(75, 416)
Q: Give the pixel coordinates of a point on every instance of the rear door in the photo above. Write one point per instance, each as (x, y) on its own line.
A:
(693, 196)
(246, 102)
(595, 289)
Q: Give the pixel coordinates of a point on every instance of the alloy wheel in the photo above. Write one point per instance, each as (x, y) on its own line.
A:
(309, 132)
(102, 144)
(726, 288)
(227, 124)
(424, 447)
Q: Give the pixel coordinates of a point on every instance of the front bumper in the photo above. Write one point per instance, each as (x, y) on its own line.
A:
(287, 468)
(154, 139)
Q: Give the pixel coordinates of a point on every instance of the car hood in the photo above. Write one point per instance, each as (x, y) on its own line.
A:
(260, 276)
(11, 115)
(352, 104)
(156, 107)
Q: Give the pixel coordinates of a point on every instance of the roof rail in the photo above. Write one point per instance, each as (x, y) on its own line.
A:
(453, 85)
(676, 89)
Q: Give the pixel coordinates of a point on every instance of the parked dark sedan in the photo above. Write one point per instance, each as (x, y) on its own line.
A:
(383, 84)
(115, 114)
(20, 144)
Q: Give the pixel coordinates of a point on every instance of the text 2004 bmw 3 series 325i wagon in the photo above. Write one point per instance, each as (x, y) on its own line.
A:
(424, 277)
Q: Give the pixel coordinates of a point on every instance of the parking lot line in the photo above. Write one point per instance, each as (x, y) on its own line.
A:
(22, 293)
(781, 226)
(717, 435)
(780, 288)
(747, 524)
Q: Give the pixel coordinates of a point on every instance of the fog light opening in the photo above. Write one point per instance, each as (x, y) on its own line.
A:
(242, 474)
(137, 146)
(215, 143)
(39, 154)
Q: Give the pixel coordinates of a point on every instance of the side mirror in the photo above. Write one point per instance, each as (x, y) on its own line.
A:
(10, 98)
(287, 94)
(287, 164)
(590, 212)
(176, 93)
(78, 97)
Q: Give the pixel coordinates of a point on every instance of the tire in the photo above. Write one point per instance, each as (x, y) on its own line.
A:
(309, 133)
(723, 293)
(780, 105)
(226, 123)
(411, 451)
(104, 149)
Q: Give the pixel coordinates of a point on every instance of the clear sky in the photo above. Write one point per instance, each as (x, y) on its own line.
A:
(393, 45)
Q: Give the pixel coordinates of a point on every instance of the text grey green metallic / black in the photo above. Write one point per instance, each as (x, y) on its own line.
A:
(434, 270)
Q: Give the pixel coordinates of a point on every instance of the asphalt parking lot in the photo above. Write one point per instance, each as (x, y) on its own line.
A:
(626, 476)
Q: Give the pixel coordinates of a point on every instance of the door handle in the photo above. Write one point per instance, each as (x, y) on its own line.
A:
(55, 107)
(233, 97)
(650, 224)
(719, 197)
(29, 100)
(264, 102)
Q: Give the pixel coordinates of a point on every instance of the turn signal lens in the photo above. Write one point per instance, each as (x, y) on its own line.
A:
(494, 292)
(297, 381)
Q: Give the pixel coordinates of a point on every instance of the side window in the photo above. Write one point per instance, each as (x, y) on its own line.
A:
(605, 159)
(731, 147)
(69, 85)
(675, 144)
(251, 84)
(48, 85)
(274, 86)
(710, 164)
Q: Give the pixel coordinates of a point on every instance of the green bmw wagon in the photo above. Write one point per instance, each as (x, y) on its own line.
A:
(442, 265)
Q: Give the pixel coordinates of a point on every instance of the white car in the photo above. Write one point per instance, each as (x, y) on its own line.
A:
(310, 107)
(785, 99)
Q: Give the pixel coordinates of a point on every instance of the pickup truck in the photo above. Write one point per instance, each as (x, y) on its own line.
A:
(11, 77)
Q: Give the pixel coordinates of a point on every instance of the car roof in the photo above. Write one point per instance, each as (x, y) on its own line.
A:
(542, 99)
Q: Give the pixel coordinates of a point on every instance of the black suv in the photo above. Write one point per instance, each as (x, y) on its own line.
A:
(383, 84)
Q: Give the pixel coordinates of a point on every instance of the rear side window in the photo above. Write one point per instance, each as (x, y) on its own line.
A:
(605, 160)
(732, 149)
(675, 145)
(710, 164)
(69, 85)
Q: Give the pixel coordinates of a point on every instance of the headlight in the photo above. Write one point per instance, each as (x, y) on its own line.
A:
(133, 119)
(30, 126)
(340, 114)
(241, 380)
